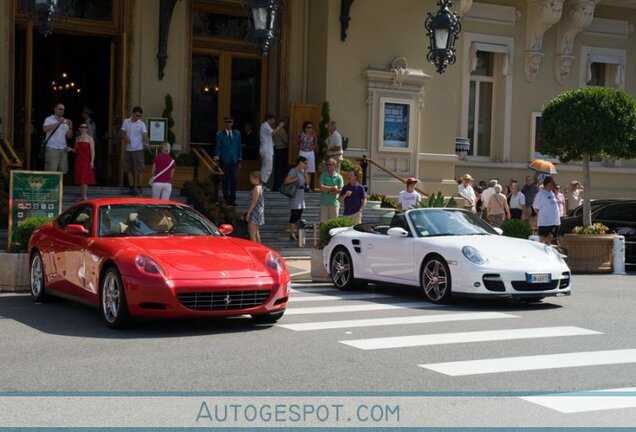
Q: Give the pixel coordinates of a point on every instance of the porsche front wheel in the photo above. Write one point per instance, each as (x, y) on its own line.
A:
(341, 269)
(436, 279)
(112, 296)
(38, 290)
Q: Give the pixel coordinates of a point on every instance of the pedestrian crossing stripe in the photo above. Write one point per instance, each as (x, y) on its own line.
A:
(418, 319)
(358, 308)
(465, 337)
(311, 298)
(537, 362)
(595, 400)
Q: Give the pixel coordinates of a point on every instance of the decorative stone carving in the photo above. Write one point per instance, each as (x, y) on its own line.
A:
(577, 15)
(563, 66)
(400, 68)
(542, 14)
(533, 63)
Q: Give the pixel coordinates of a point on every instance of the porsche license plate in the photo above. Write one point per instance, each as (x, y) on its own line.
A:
(535, 278)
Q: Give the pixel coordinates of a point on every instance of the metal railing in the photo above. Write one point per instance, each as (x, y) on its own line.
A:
(8, 154)
(364, 163)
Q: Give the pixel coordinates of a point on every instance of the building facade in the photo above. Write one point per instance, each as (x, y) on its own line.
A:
(367, 58)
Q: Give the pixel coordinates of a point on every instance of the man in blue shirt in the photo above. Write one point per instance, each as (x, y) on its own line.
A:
(353, 197)
(228, 152)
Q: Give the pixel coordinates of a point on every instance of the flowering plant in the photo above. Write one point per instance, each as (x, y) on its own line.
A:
(597, 228)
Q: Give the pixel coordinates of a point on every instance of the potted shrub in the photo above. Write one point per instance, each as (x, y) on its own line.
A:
(374, 200)
(589, 249)
(318, 271)
(14, 271)
(516, 228)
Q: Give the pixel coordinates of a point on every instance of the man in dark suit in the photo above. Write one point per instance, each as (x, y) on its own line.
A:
(228, 152)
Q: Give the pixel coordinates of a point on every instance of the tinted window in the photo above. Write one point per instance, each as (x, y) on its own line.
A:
(625, 212)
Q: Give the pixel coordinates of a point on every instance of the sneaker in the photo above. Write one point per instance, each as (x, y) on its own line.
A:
(139, 190)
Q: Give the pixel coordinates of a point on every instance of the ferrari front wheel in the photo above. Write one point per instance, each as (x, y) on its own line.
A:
(436, 279)
(112, 296)
(38, 290)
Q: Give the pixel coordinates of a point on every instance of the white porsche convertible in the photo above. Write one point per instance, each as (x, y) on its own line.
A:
(445, 252)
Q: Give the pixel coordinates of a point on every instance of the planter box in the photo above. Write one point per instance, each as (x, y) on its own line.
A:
(374, 204)
(14, 272)
(318, 271)
(589, 253)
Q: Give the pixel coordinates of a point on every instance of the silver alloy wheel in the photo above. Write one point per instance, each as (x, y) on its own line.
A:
(341, 269)
(37, 276)
(111, 296)
(435, 280)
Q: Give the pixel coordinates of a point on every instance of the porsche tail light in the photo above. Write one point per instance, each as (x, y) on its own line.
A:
(148, 266)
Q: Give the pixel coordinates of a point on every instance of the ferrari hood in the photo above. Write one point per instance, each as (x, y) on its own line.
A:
(203, 257)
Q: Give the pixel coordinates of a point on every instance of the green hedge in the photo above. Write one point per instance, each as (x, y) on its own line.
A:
(339, 222)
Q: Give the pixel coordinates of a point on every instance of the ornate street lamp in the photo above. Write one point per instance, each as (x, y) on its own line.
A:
(46, 12)
(443, 28)
(262, 16)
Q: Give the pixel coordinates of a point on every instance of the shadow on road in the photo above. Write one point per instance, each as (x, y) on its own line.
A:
(66, 318)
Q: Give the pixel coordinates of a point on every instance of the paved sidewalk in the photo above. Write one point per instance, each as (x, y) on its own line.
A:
(300, 268)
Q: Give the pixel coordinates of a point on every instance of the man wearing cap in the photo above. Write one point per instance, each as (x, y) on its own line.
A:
(466, 191)
(228, 153)
(409, 198)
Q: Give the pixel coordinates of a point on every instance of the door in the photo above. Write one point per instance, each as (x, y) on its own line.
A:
(227, 83)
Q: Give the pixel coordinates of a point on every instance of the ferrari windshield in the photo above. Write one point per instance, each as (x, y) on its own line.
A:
(127, 220)
(447, 222)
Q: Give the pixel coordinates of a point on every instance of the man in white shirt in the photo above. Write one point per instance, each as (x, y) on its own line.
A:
(334, 146)
(547, 208)
(57, 129)
(266, 149)
(135, 136)
(574, 195)
(466, 191)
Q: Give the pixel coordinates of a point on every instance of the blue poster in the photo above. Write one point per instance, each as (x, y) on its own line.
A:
(396, 125)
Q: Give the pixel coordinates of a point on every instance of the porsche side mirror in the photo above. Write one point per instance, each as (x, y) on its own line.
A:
(397, 232)
(76, 229)
(226, 229)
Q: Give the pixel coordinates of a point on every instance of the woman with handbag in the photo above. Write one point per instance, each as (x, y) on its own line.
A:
(498, 210)
(162, 170)
(298, 176)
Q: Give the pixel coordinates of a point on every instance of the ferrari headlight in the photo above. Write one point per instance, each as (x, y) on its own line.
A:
(148, 266)
(474, 255)
(274, 261)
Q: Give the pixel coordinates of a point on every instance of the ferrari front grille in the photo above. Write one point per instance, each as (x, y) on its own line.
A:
(223, 300)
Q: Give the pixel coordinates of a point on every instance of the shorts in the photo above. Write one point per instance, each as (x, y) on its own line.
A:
(134, 161)
(295, 216)
(549, 230)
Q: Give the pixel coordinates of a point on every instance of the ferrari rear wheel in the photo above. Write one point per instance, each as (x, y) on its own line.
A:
(436, 279)
(269, 318)
(113, 300)
(38, 290)
(342, 273)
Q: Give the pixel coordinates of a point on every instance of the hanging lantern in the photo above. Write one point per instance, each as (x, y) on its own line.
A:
(443, 29)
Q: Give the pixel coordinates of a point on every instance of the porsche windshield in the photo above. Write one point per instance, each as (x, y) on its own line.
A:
(128, 220)
(447, 222)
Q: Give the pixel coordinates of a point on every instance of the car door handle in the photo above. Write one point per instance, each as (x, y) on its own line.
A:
(370, 246)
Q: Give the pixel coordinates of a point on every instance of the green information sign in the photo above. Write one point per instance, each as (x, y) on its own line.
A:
(33, 194)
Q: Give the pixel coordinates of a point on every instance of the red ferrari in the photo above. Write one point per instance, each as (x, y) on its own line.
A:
(135, 257)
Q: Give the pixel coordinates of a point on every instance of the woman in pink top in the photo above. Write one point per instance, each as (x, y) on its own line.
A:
(560, 199)
(162, 171)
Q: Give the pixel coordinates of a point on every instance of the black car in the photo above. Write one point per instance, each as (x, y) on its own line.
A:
(618, 215)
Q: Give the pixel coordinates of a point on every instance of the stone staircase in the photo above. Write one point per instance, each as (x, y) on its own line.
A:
(275, 232)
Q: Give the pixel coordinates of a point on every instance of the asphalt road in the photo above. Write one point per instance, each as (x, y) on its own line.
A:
(470, 363)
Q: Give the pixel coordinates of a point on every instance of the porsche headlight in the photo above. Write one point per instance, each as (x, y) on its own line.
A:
(148, 266)
(274, 261)
(553, 255)
(474, 255)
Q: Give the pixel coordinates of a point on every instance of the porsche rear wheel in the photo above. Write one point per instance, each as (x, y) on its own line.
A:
(436, 280)
(38, 290)
(341, 269)
(269, 318)
(112, 297)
